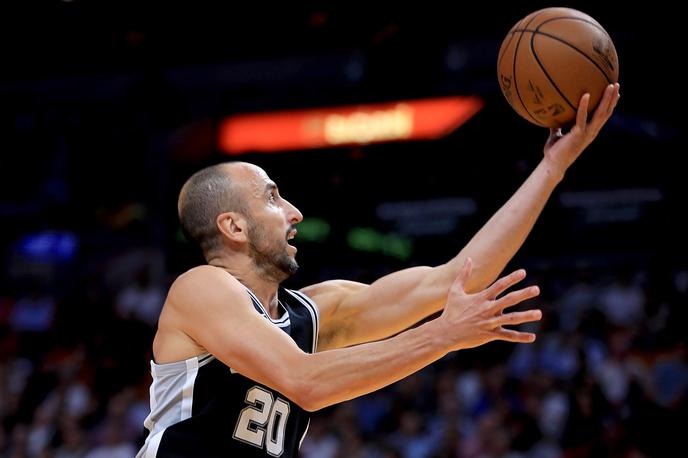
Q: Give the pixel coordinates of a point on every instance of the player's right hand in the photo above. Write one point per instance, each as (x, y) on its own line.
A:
(561, 150)
(470, 320)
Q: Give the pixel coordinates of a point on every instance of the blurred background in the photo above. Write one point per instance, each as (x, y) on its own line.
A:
(107, 107)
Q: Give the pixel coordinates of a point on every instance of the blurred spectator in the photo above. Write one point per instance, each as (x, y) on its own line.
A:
(41, 431)
(670, 378)
(552, 415)
(33, 312)
(319, 442)
(582, 436)
(559, 355)
(577, 300)
(412, 438)
(616, 372)
(141, 300)
(113, 445)
(623, 301)
(72, 440)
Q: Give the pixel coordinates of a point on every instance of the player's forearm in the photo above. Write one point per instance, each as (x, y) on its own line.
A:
(338, 375)
(501, 237)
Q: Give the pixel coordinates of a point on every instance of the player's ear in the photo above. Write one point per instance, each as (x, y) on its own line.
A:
(233, 226)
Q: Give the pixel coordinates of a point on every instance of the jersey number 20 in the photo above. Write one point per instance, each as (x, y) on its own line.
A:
(263, 422)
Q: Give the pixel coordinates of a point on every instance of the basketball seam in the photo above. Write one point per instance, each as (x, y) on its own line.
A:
(518, 93)
(574, 18)
(561, 40)
(512, 32)
(537, 59)
(501, 55)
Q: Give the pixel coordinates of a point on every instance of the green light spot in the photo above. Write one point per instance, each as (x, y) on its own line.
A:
(364, 239)
(397, 246)
(371, 241)
(313, 230)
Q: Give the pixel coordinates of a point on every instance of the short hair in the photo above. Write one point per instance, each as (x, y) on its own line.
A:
(205, 195)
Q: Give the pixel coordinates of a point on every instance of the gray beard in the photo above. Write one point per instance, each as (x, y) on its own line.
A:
(272, 264)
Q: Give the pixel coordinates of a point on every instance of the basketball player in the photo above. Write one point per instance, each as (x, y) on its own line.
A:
(239, 362)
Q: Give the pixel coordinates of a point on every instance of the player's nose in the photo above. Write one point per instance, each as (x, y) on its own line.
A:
(293, 214)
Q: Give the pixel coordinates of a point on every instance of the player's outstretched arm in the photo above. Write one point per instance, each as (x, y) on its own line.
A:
(213, 309)
(353, 313)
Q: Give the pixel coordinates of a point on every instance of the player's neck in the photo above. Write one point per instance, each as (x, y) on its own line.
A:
(265, 292)
(260, 284)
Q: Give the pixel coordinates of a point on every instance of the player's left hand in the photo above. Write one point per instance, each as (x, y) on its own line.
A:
(561, 150)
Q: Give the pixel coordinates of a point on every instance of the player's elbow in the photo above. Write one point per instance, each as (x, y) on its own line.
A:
(306, 395)
(304, 383)
(310, 404)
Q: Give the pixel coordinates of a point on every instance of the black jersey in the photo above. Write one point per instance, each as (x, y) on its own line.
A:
(202, 408)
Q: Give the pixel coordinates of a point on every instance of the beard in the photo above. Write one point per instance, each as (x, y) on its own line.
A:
(270, 256)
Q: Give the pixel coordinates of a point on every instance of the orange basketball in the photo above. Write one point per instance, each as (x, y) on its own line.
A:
(549, 59)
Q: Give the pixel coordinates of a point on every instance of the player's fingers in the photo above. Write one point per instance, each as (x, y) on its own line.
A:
(503, 283)
(516, 297)
(582, 114)
(515, 336)
(615, 98)
(610, 99)
(514, 318)
(604, 109)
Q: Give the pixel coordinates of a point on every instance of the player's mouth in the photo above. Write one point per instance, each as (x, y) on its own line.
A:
(290, 235)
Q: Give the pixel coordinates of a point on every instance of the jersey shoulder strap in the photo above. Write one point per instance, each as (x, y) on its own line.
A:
(312, 308)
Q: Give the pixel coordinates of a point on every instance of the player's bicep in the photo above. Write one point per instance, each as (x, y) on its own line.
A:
(372, 312)
(393, 294)
(222, 319)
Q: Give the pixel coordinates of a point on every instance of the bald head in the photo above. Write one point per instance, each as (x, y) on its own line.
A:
(208, 193)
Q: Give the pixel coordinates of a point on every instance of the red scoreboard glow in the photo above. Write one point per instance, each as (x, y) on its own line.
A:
(346, 125)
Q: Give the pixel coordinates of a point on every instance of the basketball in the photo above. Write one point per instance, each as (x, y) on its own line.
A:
(549, 59)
